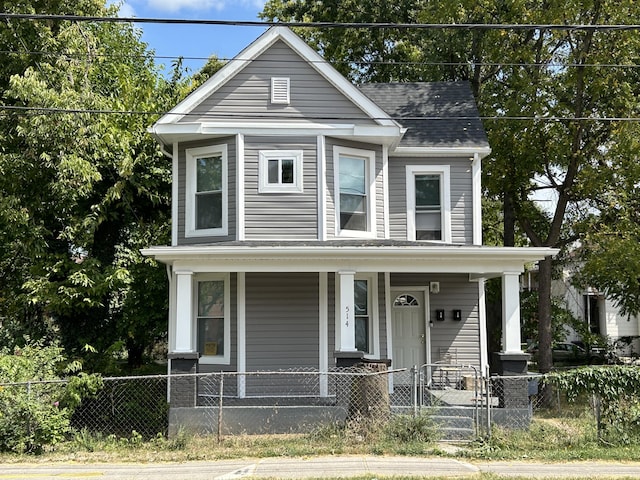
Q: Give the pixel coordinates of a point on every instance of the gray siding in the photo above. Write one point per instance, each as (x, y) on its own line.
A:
(281, 216)
(461, 196)
(460, 339)
(330, 194)
(282, 321)
(231, 185)
(248, 92)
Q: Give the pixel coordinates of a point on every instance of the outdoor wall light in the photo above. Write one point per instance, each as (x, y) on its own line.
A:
(457, 315)
(440, 315)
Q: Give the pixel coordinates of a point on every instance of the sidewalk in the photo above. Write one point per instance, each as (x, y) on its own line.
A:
(315, 467)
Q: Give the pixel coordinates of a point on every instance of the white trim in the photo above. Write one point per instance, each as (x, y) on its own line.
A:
(263, 171)
(183, 333)
(197, 131)
(511, 336)
(388, 327)
(240, 211)
(482, 329)
(370, 158)
(476, 178)
(321, 154)
(346, 319)
(190, 222)
(241, 322)
(323, 331)
(385, 189)
(280, 90)
(254, 50)
(172, 310)
(224, 359)
(486, 262)
(445, 198)
(442, 151)
(174, 194)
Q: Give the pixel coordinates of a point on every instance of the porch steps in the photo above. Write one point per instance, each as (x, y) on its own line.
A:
(454, 423)
(455, 427)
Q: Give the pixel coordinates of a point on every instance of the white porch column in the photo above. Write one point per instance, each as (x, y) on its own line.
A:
(346, 317)
(511, 312)
(184, 311)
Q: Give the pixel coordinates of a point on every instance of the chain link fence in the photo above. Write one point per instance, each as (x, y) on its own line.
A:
(462, 402)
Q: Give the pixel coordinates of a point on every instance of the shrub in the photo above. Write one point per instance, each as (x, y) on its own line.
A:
(35, 405)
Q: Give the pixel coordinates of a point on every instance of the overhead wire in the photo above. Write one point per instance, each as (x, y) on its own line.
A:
(364, 25)
(455, 26)
(245, 115)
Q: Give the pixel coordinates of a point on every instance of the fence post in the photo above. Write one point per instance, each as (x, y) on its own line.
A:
(414, 390)
(220, 404)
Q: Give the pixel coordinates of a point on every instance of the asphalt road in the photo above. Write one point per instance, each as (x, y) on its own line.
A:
(314, 467)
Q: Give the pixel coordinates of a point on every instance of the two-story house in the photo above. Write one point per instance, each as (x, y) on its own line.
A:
(316, 221)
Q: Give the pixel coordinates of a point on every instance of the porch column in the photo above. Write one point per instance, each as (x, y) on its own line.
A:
(347, 318)
(511, 341)
(184, 312)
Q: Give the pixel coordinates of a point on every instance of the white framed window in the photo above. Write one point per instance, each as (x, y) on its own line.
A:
(428, 203)
(355, 192)
(367, 319)
(280, 90)
(206, 191)
(365, 301)
(280, 171)
(212, 319)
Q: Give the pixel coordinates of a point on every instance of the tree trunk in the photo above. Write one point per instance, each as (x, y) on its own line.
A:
(545, 337)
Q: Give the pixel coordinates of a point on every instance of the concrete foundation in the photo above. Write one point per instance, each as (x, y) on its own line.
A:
(253, 420)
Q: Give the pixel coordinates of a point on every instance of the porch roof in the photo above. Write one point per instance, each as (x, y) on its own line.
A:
(343, 255)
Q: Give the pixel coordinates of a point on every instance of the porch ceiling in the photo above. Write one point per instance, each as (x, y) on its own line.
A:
(359, 256)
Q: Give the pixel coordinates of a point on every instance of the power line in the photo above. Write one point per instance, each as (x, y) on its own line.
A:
(553, 65)
(245, 116)
(367, 25)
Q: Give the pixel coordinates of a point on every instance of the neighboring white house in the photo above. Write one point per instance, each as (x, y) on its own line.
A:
(601, 314)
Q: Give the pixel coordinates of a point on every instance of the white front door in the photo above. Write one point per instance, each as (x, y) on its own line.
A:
(409, 333)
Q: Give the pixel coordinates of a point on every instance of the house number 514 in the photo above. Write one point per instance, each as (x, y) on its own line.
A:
(346, 316)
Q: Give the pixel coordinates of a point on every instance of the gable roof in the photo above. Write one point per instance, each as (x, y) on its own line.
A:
(435, 114)
(261, 44)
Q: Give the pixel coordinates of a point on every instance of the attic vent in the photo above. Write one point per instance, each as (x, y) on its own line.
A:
(279, 90)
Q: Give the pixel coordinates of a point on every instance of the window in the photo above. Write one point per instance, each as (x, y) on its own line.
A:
(206, 192)
(212, 320)
(280, 171)
(361, 306)
(428, 210)
(355, 192)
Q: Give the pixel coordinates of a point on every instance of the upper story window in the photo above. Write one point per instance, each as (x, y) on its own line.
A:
(428, 204)
(354, 180)
(206, 191)
(212, 319)
(280, 171)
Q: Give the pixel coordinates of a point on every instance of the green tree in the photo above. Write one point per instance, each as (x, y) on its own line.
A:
(87, 187)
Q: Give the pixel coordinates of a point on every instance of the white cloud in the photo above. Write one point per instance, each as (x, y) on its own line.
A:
(177, 5)
(125, 10)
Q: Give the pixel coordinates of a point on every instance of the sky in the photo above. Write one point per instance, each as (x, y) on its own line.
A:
(199, 41)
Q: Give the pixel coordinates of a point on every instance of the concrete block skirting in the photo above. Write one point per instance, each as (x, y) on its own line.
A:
(253, 420)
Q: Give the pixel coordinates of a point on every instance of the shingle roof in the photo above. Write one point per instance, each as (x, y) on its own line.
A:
(436, 114)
